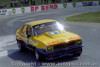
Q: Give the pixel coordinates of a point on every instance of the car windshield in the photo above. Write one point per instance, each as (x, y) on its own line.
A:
(47, 27)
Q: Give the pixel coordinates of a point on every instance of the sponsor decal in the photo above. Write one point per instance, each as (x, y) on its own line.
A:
(34, 9)
(23, 10)
(22, 36)
(9, 12)
(74, 4)
(13, 11)
(3, 12)
(53, 42)
(48, 7)
(74, 38)
(64, 5)
(87, 3)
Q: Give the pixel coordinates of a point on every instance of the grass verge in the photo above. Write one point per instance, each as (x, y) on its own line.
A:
(85, 17)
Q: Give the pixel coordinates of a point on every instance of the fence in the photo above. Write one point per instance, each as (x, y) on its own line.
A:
(21, 10)
(21, 3)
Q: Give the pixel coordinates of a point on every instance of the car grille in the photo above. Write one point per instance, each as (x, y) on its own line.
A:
(73, 43)
(59, 46)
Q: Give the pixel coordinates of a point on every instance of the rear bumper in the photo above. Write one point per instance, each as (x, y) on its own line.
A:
(70, 51)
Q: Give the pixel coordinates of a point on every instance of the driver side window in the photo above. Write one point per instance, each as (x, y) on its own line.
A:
(29, 31)
(24, 30)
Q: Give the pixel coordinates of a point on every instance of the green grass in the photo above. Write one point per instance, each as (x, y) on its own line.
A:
(85, 17)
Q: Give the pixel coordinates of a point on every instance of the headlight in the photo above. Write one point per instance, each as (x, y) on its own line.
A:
(79, 42)
(49, 48)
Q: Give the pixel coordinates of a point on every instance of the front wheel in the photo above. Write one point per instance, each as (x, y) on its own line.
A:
(37, 55)
(21, 48)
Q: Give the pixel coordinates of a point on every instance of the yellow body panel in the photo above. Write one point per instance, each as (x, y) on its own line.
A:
(44, 40)
(40, 22)
(59, 38)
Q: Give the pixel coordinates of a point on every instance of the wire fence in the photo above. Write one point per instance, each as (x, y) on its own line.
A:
(21, 3)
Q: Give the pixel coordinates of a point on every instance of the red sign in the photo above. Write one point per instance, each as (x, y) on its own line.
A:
(48, 7)
(34, 9)
(44, 7)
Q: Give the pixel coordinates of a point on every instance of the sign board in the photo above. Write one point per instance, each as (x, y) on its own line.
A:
(3, 12)
(22, 10)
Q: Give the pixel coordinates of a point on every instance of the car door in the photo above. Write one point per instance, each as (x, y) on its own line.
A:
(29, 37)
(23, 33)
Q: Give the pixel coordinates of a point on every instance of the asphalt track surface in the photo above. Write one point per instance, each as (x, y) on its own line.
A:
(10, 56)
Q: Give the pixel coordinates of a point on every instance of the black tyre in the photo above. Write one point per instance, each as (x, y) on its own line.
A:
(20, 46)
(37, 55)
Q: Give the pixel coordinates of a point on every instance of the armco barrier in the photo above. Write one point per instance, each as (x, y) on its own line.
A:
(91, 3)
(21, 10)
(31, 9)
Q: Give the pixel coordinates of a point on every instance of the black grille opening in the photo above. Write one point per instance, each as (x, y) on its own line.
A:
(59, 46)
(71, 44)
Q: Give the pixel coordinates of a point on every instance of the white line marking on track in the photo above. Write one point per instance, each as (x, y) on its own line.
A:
(1, 49)
(27, 20)
(7, 40)
(5, 53)
(10, 23)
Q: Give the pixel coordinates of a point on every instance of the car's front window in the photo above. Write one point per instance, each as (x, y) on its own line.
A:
(47, 27)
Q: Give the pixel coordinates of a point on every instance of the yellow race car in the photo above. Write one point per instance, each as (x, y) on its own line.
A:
(48, 39)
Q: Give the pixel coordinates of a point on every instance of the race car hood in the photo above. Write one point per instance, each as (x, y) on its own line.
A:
(52, 39)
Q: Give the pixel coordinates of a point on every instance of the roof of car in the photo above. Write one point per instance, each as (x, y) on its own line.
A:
(40, 22)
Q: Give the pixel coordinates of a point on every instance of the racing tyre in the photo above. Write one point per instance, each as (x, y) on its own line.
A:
(37, 55)
(21, 48)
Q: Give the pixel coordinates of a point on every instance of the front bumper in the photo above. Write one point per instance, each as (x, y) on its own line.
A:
(61, 53)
